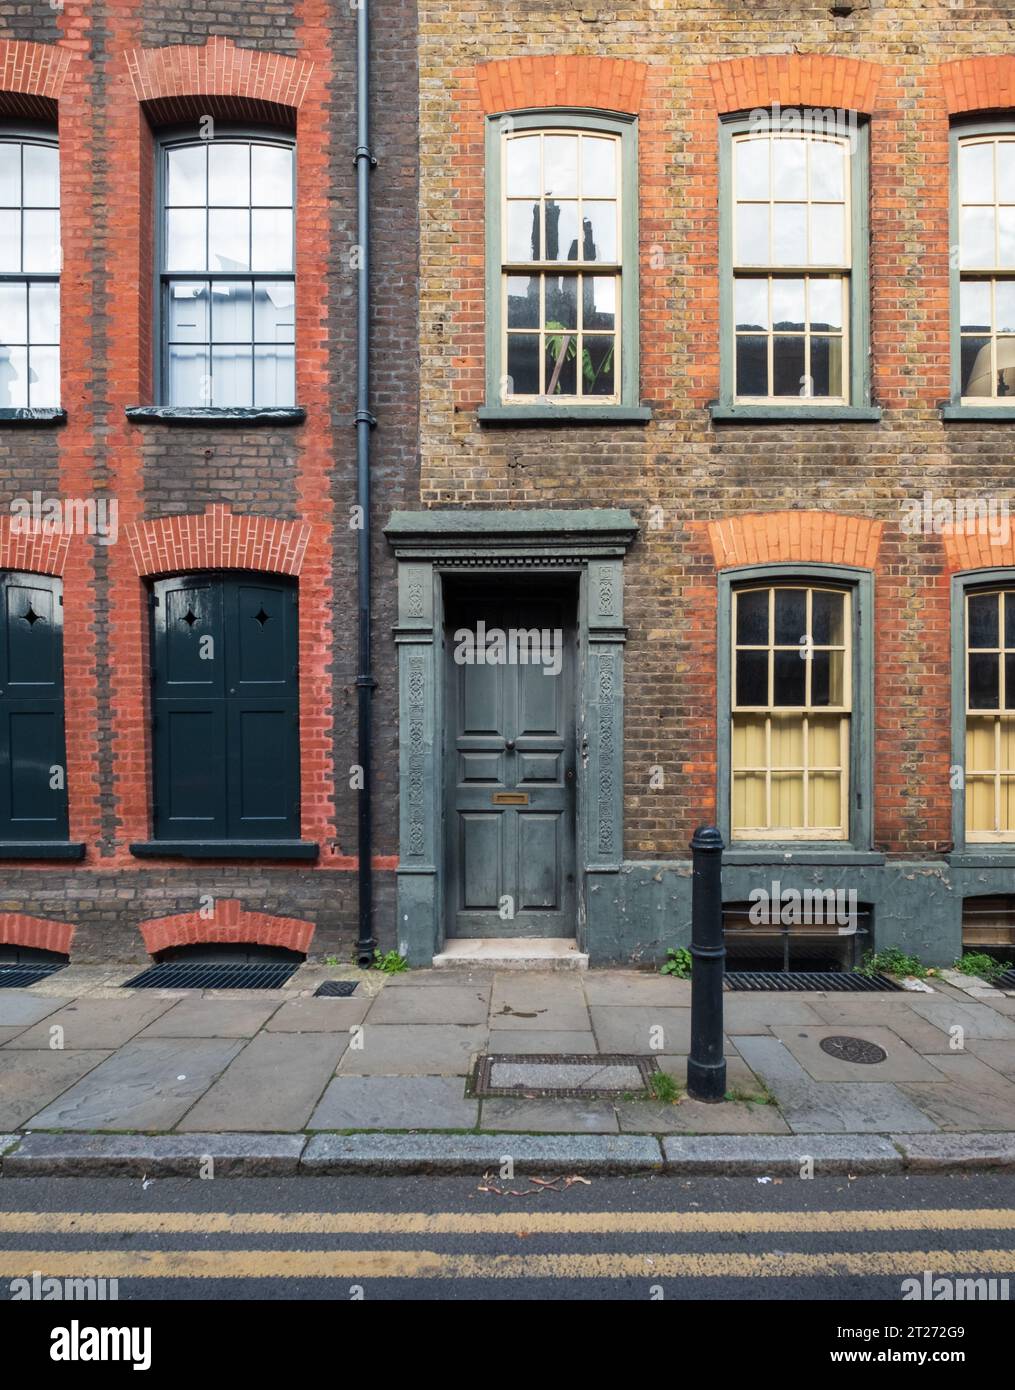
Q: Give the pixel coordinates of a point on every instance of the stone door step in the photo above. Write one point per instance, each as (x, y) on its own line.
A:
(512, 953)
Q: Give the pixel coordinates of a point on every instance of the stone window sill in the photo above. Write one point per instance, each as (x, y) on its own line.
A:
(41, 849)
(794, 414)
(569, 414)
(978, 412)
(32, 416)
(240, 416)
(812, 854)
(225, 849)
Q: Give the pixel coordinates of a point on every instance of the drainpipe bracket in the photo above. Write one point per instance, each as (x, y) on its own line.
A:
(366, 417)
(362, 152)
(366, 682)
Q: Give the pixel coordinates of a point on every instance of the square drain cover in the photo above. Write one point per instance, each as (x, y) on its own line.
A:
(576, 1075)
(335, 989)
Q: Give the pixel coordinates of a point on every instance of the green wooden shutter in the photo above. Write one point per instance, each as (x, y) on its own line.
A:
(33, 795)
(226, 708)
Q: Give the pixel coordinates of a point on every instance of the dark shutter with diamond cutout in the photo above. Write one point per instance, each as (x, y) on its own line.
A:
(33, 795)
(226, 708)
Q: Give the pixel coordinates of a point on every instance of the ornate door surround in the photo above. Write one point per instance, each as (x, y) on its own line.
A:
(589, 544)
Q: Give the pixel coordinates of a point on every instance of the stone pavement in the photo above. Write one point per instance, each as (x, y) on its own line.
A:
(80, 1055)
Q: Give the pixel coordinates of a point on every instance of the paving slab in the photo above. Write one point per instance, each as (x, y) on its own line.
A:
(414, 1049)
(146, 1085)
(320, 1015)
(830, 1107)
(929, 1153)
(776, 1155)
(564, 1116)
(7, 1033)
(30, 1080)
(901, 1064)
(541, 1154)
(739, 1077)
(273, 1084)
(20, 1009)
(997, 1053)
(96, 1023)
(699, 1117)
(641, 1028)
(973, 1096)
(744, 1013)
(161, 1155)
(195, 1017)
(445, 979)
(395, 1102)
(636, 987)
(537, 1003)
(912, 1027)
(521, 1042)
(464, 1004)
(977, 1020)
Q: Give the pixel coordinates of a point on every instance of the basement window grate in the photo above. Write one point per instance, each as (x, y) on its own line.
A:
(833, 981)
(335, 989)
(214, 975)
(1007, 980)
(22, 975)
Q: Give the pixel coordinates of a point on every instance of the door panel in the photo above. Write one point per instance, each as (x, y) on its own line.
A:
(33, 794)
(511, 769)
(226, 707)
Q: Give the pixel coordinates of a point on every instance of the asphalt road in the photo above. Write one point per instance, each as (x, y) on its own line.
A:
(648, 1239)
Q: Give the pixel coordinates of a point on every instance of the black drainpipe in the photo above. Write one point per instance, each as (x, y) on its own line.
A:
(365, 421)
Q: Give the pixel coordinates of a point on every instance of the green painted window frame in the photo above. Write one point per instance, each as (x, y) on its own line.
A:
(860, 583)
(629, 408)
(953, 408)
(963, 584)
(859, 407)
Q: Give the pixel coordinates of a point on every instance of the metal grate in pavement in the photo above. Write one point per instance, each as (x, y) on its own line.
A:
(834, 981)
(213, 975)
(570, 1075)
(29, 973)
(335, 989)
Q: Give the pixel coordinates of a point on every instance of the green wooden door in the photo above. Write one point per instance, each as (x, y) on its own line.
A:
(226, 708)
(33, 793)
(510, 775)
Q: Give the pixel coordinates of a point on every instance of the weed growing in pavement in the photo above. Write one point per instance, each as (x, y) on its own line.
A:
(390, 962)
(664, 1088)
(978, 963)
(678, 963)
(891, 961)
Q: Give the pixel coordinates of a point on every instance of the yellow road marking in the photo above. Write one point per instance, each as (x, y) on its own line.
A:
(495, 1223)
(431, 1264)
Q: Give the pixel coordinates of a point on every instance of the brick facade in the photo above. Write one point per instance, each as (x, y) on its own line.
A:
(278, 499)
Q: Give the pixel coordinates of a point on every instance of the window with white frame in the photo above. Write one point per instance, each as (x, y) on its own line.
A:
(986, 231)
(792, 265)
(990, 715)
(791, 710)
(29, 271)
(227, 272)
(561, 266)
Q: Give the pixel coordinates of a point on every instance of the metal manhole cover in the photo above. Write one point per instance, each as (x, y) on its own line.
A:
(335, 989)
(570, 1075)
(848, 1049)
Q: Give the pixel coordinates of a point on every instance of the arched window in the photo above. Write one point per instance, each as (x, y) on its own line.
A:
(29, 271)
(33, 781)
(227, 271)
(225, 708)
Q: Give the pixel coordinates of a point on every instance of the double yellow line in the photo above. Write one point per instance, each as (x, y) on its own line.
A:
(356, 1265)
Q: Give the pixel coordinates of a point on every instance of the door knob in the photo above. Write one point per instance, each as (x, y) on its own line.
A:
(509, 744)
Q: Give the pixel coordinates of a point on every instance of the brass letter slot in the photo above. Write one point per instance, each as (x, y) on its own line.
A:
(510, 798)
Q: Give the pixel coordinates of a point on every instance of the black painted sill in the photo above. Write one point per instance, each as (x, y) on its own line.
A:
(794, 414)
(41, 849)
(225, 849)
(548, 414)
(811, 854)
(32, 415)
(215, 415)
(977, 412)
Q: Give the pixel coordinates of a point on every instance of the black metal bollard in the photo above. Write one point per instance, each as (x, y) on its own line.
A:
(706, 1066)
